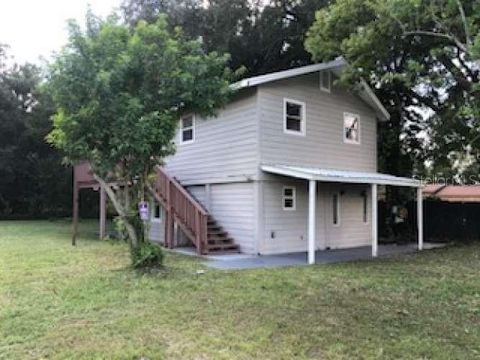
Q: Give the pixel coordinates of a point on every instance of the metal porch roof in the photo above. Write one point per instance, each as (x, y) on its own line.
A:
(344, 176)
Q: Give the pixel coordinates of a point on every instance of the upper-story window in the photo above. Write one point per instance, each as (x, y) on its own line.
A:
(325, 81)
(351, 128)
(294, 117)
(187, 129)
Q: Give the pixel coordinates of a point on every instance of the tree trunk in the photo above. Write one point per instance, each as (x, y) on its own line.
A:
(121, 210)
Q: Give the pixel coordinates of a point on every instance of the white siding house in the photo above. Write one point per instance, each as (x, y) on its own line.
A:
(290, 164)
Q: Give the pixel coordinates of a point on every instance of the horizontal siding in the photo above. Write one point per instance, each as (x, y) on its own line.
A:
(198, 192)
(323, 144)
(290, 228)
(352, 231)
(232, 205)
(225, 147)
(157, 228)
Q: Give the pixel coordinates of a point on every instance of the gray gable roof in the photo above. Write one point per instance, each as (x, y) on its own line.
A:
(336, 66)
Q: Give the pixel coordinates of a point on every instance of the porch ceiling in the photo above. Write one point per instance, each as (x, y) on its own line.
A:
(343, 176)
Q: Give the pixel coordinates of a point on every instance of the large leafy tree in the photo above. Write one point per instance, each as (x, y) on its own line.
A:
(260, 36)
(33, 182)
(119, 92)
(419, 56)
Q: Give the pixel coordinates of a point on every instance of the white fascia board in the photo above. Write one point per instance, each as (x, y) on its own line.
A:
(279, 75)
(385, 115)
(287, 172)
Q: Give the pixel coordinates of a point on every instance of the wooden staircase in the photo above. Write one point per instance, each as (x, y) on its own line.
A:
(218, 239)
(197, 224)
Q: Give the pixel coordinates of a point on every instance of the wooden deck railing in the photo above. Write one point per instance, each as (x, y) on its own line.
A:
(184, 209)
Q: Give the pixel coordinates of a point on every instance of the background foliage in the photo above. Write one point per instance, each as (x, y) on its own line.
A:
(260, 36)
(33, 182)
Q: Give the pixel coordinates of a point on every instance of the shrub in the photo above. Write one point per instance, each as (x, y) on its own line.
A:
(148, 255)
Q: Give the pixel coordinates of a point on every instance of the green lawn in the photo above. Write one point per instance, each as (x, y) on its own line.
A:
(59, 302)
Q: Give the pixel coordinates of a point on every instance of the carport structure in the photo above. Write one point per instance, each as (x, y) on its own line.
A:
(372, 179)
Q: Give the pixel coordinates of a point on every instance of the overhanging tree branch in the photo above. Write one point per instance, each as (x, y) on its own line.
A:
(444, 36)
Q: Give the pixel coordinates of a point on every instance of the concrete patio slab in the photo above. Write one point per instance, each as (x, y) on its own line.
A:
(237, 262)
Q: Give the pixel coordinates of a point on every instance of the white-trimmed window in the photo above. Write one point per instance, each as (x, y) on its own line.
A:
(187, 129)
(336, 209)
(365, 207)
(325, 81)
(156, 212)
(289, 198)
(293, 117)
(351, 128)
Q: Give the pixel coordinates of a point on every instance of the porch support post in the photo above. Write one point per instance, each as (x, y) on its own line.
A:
(374, 221)
(312, 199)
(103, 214)
(420, 217)
(169, 220)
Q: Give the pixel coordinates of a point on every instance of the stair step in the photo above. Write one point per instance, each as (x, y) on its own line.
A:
(221, 241)
(222, 233)
(215, 228)
(224, 252)
(231, 247)
(217, 233)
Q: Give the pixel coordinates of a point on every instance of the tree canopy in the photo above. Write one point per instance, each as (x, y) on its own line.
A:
(119, 94)
(419, 55)
(260, 36)
(33, 182)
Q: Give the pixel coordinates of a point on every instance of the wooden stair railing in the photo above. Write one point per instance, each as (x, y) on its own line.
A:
(181, 207)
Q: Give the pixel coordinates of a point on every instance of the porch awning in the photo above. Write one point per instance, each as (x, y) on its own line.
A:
(328, 175)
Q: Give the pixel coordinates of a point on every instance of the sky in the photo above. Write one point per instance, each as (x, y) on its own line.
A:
(36, 28)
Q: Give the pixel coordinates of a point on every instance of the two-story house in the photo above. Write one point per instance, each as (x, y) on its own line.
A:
(289, 165)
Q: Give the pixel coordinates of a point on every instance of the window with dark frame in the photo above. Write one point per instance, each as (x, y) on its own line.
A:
(288, 198)
(294, 121)
(187, 129)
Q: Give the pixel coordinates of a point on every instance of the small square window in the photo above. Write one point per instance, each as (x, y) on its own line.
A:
(289, 198)
(325, 81)
(351, 128)
(187, 130)
(294, 117)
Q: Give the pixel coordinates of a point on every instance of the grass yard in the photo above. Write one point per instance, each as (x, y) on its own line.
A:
(59, 302)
